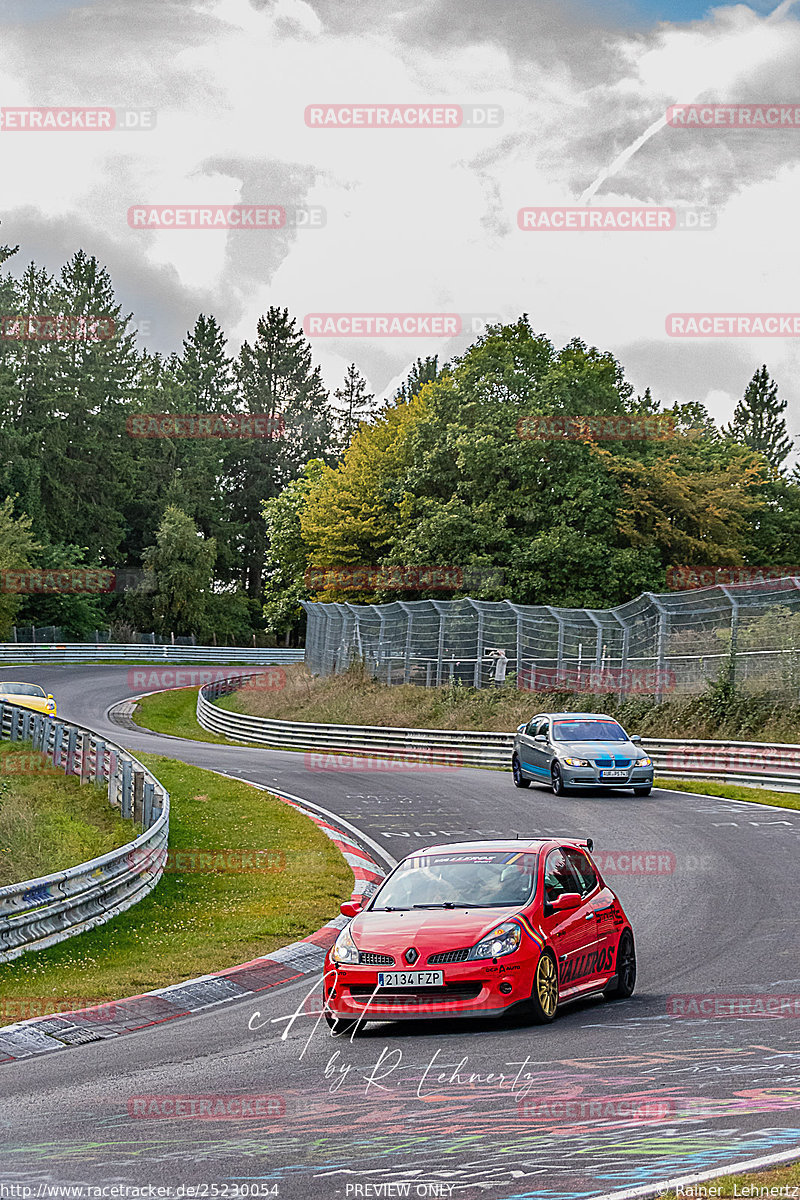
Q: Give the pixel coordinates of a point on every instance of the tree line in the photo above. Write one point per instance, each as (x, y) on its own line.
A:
(491, 463)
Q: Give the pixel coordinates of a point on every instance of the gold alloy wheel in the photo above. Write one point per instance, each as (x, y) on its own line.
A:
(547, 985)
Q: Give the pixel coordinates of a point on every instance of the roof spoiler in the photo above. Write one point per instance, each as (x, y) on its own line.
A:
(587, 842)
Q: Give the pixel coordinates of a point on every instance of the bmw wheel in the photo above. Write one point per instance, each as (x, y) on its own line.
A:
(624, 981)
(558, 780)
(519, 779)
(544, 997)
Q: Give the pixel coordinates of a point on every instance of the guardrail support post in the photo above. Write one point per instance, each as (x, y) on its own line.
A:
(126, 797)
(99, 761)
(138, 796)
(147, 805)
(58, 739)
(86, 748)
(72, 747)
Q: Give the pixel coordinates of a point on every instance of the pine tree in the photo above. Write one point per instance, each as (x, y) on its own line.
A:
(424, 370)
(355, 404)
(277, 379)
(758, 420)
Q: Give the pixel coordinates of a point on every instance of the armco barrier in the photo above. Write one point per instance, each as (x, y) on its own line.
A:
(40, 912)
(738, 762)
(80, 652)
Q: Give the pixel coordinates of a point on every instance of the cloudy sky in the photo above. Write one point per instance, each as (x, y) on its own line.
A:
(422, 220)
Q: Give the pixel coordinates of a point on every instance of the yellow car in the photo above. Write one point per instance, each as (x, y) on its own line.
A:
(28, 695)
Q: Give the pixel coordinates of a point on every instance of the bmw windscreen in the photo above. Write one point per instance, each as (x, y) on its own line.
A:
(588, 731)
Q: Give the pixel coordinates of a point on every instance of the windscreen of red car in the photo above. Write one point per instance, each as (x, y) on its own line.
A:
(489, 879)
(588, 731)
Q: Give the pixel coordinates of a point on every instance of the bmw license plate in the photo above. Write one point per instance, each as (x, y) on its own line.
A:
(613, 774)
(410, 979)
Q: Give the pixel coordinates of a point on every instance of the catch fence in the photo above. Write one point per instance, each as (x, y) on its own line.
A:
(657, 644)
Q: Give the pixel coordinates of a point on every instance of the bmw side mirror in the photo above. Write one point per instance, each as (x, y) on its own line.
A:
(565, 902)
(635, 739)
(351, 908)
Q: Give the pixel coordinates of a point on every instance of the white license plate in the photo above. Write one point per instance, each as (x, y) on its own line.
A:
(410, 979)
(614, 774)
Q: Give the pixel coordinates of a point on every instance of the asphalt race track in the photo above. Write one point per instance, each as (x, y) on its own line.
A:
(493, 1109)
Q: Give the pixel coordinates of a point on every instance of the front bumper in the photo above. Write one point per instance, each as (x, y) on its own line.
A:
(593, 777)
(470, 989)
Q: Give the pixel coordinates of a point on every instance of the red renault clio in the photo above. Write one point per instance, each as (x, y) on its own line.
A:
(473, 929)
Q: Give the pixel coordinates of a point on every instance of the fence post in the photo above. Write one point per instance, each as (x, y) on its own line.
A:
(86, 748)
(734, 603)
(407, 654)
(72, 749)
(126, 797)
(661, 647)
(58, 738)
(138, 795)
(147, 805)
(99, 761)
(440, 651)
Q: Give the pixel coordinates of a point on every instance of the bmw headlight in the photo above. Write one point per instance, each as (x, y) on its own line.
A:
(505, 939)
(576, 762)
(344, 948)
(644, 762)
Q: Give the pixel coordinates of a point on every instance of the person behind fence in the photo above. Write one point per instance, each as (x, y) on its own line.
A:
(500, 666)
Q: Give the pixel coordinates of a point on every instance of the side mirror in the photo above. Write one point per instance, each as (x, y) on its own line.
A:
(540, 737)
(50, 696)
(565, 902)
(635, 739)
(351, 908)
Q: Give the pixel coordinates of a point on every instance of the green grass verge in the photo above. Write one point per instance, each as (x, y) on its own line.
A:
(195, 923)
(728, 1187)
(173, 713)
(730, 791)
(48, 821)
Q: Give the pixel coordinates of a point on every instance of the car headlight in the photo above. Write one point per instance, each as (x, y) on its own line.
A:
(505, 939)
(344, 948)
(643, 762)
(576, 762)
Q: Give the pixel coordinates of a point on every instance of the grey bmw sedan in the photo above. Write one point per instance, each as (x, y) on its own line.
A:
(567, 750)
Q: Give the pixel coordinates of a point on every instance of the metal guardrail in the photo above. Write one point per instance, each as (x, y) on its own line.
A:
(144, 652)
(757, 763)
(38, 913)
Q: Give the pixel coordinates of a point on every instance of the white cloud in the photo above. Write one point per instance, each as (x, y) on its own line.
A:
(418, 220)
